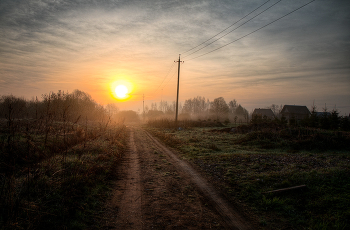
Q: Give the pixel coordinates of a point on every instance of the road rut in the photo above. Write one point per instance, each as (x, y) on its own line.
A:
(157, 190)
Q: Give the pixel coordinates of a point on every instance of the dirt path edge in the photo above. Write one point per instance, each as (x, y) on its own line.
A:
(233, 218)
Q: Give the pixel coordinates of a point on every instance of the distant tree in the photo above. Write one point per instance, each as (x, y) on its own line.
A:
(275, 109)
(334, 120)
(146, 109)
(128, 116)
(235, 120)
(219, 107)
(313, 119)
(154, 113)
(232, 106)
(112, 109)
(12, 108)
(154, 106)
(240, 111)
(195, 106)
(170, 109)
(163, 105)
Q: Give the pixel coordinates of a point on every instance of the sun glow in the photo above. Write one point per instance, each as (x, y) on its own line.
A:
(121, 91)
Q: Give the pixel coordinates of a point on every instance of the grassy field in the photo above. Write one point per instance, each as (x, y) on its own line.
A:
(245, 165)
(57, 176)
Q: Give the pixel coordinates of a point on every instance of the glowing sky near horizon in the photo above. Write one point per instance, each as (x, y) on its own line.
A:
(51, 45)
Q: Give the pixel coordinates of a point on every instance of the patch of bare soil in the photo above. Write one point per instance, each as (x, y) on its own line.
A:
(124, 207)
(156, 190)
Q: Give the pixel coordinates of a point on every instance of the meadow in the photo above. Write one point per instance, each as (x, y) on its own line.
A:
(248, 163)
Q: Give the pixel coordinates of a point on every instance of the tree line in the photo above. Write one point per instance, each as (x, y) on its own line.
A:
(60, 106)
(200, 108)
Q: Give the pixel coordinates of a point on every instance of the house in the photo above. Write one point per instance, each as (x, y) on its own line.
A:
(263, 113)
(297, 112)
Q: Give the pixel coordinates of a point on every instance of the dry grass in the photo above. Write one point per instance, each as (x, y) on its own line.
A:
(60, 184)
(246, 163)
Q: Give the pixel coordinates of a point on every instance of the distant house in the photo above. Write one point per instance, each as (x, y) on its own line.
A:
(263, 113)
(297, 112)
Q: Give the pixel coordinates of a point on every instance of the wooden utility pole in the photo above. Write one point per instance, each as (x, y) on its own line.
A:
(178, 84)
(143, 107)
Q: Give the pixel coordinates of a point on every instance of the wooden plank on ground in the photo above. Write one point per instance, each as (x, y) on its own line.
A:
(286, 189)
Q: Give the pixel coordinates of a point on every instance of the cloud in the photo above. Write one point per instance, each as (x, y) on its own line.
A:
(64, 42)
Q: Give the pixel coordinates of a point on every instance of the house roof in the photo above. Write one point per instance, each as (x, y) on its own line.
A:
(295, 109)
(264, 112)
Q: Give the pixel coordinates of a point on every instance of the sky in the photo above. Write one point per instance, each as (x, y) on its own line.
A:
(90, 45)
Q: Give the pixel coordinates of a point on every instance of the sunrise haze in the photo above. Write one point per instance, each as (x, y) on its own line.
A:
(94, 46)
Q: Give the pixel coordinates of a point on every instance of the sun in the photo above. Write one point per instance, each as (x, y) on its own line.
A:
(121, 91)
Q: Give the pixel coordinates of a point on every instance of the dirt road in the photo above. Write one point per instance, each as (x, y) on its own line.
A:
(157, 190)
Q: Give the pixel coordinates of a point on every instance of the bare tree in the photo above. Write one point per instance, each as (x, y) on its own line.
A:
(219, 107)
(232, 106)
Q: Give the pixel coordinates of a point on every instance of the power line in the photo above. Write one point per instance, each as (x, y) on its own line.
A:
(170, 79)
(253, 31)
(235, 28)
(164, 77)
(227, 27)
(171, 68)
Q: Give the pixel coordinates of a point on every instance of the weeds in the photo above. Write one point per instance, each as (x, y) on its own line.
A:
(255, 159)
(55, 167)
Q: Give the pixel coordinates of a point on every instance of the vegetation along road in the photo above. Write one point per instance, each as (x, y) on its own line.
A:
(158, 190)
(208, 177)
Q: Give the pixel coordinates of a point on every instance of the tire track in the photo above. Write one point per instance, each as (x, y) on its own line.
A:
(130, 215)
(231, 216)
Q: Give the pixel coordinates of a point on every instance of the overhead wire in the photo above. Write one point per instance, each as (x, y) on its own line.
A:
(227, 27)
(165, 77)
(253, 31)
(170, 79)
(235, 28)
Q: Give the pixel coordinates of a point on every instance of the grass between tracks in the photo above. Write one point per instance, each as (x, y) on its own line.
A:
(246, 166)
(60, 185)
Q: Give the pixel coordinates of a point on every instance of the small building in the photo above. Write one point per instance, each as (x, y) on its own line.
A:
(297, 112)
(263, 113)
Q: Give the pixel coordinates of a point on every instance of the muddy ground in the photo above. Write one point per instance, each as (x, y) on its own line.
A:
(157, 190)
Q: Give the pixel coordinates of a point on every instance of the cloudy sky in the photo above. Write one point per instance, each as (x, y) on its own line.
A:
(51, 45)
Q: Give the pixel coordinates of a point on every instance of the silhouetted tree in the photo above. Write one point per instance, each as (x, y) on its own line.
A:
(195, 106)
(219, 107)
(334, 120)
(232, 106)
(112, 109)
(12, 107)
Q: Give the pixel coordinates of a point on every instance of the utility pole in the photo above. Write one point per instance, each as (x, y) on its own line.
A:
(178, 84)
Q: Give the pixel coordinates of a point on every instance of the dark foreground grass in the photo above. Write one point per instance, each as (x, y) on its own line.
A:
(246, 166)
(61, 190)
